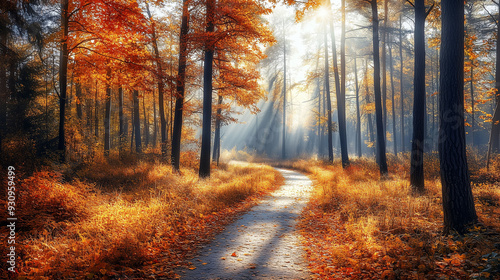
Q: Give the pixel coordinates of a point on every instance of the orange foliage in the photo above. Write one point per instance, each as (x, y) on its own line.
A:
(127, 219)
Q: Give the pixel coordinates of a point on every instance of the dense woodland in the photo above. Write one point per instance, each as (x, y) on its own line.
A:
(141, 105)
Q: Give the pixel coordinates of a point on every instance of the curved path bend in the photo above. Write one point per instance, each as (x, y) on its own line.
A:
(261, 244)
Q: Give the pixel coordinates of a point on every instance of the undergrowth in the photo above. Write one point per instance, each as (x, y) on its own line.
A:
(135, 219)
(358, 226)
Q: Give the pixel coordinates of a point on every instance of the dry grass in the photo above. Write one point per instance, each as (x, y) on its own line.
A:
(360, 227)
(128, 219)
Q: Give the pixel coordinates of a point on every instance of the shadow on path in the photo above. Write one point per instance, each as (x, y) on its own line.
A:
(263, 243)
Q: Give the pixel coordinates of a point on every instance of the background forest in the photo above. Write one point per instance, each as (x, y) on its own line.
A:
(127, 113)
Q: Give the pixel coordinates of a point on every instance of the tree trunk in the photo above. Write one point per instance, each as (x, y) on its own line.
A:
(368, 101)
(417, 144)
(391, 73)
(161, 103)
(218, 117)
(328, 100)
(378, 96)
(107, 115)
(79, 101)
(137, 122)
(146, 122)
(96, 113)
(181, 77)
(358, 113)
(495, 124)
(341, 98)
(63, 78)
(207, 93)
(458, 202)
(401, 84)
(121, 118)
(384, 67)
(283, 147)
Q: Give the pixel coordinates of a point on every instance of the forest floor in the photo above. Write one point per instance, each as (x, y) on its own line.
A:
(263, 243)
(125, 219)
(359, 226)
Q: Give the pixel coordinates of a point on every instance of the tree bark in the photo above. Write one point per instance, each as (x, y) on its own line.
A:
(391, 73)
(146, 122)
(107, 115)
(341, 98)
(328, 100)
(494, 142)
(161, 88)
(63, 78)
(401, 84)
(378, 96)
(218, 117)
(283, 144)
(79, 101)
(417, 144)
(458, 202)
(207, 93)
(181, 77)
(358, 113)
(121, 119)
(137, 122)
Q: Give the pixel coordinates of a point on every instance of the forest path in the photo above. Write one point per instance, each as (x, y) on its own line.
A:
(263, 243)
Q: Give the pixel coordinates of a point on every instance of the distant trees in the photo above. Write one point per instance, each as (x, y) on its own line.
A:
(458, 202)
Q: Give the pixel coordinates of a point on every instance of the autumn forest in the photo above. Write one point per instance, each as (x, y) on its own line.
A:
(250, 139)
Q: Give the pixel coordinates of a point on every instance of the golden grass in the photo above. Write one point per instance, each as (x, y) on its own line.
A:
(360, 227)
(139, 219)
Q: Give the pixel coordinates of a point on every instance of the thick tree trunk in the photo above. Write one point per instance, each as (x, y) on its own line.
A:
(458, 202)
(417, 144)
(181, 77)
(378, 96)
(137, 123)
(341, 98)
(328, 100)
(358, 112)
(63, 78)
(207, 93)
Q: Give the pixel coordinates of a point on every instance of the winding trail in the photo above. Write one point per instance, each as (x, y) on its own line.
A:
(261, 244)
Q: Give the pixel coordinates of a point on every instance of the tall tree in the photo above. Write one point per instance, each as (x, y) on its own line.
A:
(494, 142)
(417, 144)
(63, 77)
(458, 202)
(181, 79)
(107, 115)
(207, 92)
(341, 97)
(137, 122)
(283, 144)
(328, 100)
(358, 113)
(382, 160)
(159, 69)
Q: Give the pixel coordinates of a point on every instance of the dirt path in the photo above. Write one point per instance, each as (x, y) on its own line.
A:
(262, 244)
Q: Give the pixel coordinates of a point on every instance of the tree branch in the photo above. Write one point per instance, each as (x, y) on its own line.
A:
(430, 9)
(413, 5)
